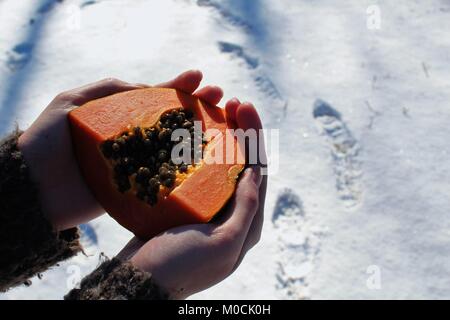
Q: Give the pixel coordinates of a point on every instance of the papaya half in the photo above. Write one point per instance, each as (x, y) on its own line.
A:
(124, 145)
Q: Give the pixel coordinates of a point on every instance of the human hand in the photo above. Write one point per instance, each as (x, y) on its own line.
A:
(47, 148)
(191, 258)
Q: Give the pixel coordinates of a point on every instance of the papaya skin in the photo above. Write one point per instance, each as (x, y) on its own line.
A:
(197, 200)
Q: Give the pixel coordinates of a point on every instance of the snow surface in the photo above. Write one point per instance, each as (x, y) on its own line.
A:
(363, 113)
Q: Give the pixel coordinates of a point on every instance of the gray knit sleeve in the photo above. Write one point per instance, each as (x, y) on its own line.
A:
(28, 243)
(117, 280)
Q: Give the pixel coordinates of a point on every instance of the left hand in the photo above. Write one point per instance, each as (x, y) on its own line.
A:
(47, 148)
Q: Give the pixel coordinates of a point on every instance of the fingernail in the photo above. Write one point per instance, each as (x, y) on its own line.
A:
(255, 172)
(217, 88)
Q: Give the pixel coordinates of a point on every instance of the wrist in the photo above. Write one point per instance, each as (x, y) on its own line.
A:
(173, 293)
(37, 174)
(65, 199)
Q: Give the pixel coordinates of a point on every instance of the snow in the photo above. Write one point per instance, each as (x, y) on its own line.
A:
(362, 194)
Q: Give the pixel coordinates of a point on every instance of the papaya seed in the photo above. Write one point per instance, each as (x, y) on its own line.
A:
(121, 141)
(165, 165)
(183, 168)
(180, 118)
(162, 155)
(168, 182)
(115, 147)
(153, 184)
(187, 124)
(144, 171)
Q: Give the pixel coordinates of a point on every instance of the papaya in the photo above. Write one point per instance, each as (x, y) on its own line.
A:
(124, 147)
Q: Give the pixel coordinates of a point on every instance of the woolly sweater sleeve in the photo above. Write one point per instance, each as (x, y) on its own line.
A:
(29, 245)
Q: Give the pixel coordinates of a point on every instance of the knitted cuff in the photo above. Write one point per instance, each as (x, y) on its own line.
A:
(117, 280)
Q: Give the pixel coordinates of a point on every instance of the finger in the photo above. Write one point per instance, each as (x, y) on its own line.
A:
(255, 231)
(231, 107)
(188, 81)
(247, 118)
(210, 94)
(242, 208)
(96, 90)
(256, 228)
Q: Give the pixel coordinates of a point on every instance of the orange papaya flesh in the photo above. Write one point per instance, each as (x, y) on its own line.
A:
(118, 141)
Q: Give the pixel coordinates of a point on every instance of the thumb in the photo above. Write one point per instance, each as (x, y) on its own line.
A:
(242, 208)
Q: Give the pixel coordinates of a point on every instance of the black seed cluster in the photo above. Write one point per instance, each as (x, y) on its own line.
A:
(143, 154)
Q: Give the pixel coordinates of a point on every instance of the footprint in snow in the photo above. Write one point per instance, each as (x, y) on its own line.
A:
(226, 15)
(238, 52)
(262, 81)
(19, 56)
(87, 3)
(345, 151)
(298, 246)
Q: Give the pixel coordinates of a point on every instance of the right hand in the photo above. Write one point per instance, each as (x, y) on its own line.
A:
(191, 258)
